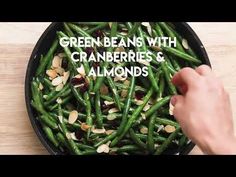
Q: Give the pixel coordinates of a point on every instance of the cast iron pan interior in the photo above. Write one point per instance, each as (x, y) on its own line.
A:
(43, 46)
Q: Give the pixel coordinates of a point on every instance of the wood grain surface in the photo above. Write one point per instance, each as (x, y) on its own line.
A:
(16, 44)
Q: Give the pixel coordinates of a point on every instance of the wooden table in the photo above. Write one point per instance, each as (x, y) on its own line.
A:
(16, 43)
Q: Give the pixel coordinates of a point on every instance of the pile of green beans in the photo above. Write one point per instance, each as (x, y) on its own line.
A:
(140, 124)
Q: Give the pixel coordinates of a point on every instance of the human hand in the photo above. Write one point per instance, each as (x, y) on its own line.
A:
(203, 110)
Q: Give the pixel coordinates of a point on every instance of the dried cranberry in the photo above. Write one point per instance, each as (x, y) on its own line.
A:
(139, 95)
(101, 50)
(89, 50)
(98, 33)
(84, 87)
(76, 81)
(79, 134)
(64, 63)
(96, 64)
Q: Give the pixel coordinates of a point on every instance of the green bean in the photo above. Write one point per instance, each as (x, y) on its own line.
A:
(106, 139)
(77, 96)
(123, 86)
(64, 101)
(161, 86)
(89, 120)
(114, 91)
(71, 142)
(78, 30)
(181, 55)
(58, 94)
(157, 105)
(127, 148)
(48, 122)
(47, 83)
(62, 140)
(67, 52)
(50, 135)
(168, 78)
(158, 138)
(166, 122)
(150, 139)
(133, 117)
(100, 80)
(47, 58)
(89, 152)
(127, 106)
(172, 35)
(98, 111)
(136, 140)
(169, 140)
(150, 73)
(68, 30)
(134, 29)
(100, 26)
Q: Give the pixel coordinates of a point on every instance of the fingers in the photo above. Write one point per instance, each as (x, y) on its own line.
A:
(186, 76)
(204, 70)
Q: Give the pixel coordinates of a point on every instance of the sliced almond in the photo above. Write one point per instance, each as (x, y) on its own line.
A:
(59, 100)
(113, 110)
(78, 76)
(104, 148)
(144, 130)
(156, 48)
(60, 118)
(146, 107)
(98, 131)
(138, 102)
(51, 73)
(59, 87)
(108, 102)
(185, 43)
(62, 55)
(143, 116)
(110, 24)
(45, 96)
(73, 116)
(124, 93)
(57, 81)
(81, 70)
(144, 62)
(149, 29)
(56, 61)
(73, 137)
(119, 78)
(111, 116)
(108, 132)
(160, 128)
(120, 49)
(146, 24)
(169, 128)
(85, 127)
(127, 82)
(104, 90)
(59, 71)
(171, 109)
(40, 86)
(68, 136)
(66, 76)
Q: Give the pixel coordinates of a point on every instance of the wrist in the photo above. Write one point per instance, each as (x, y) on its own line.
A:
(221, 145)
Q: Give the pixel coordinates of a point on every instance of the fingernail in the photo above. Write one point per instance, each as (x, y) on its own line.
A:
(173, 100)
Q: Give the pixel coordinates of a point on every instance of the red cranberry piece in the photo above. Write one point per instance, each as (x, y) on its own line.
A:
(89, 50)
(64, 63)
(139, 95)
(79, 134)
(76, 81)
(84, 87)
(98, 33)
